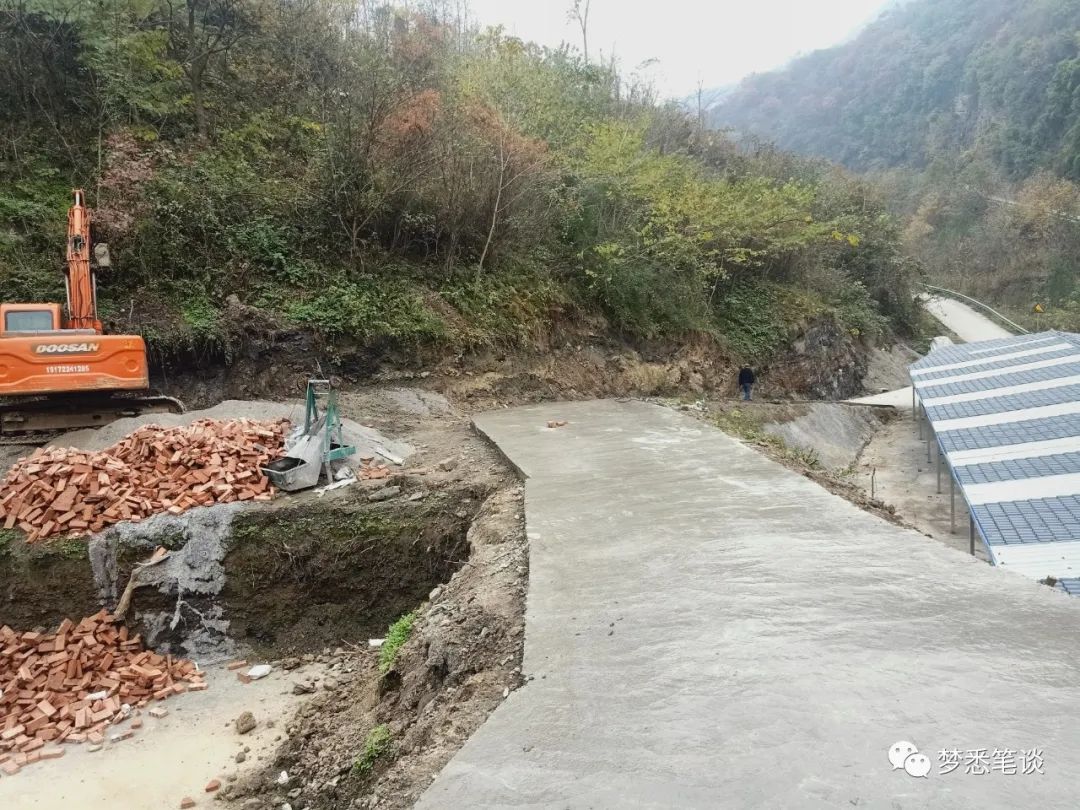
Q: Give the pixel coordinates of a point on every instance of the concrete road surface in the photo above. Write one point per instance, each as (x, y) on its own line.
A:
(968, 324)
(706, 629)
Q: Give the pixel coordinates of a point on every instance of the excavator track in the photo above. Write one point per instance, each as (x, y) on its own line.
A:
(25, 420)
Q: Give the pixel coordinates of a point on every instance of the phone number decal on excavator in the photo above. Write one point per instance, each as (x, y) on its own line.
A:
(67, 348)
(67, 369)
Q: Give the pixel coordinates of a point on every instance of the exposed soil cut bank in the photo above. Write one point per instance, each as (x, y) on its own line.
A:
(282, 580)
(305, 577)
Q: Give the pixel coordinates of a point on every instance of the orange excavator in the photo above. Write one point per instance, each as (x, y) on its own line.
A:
(58, 370)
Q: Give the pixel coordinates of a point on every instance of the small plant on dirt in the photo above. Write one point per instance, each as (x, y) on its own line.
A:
(397, 635)
(70, 548)
(7, 539)
(376, 744)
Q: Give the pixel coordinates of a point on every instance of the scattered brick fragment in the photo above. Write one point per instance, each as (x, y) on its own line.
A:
(212, 785)
(186, 803)
(369, 470)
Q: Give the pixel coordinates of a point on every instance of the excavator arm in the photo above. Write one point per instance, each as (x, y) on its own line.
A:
(78, 276)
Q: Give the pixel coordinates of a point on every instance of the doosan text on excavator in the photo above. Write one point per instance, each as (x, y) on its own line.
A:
(58, 369)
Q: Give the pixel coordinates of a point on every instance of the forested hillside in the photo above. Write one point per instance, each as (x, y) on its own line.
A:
(931, 77)
(393, 177)
(967, 115)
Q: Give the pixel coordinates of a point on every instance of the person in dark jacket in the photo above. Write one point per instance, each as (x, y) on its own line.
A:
(746, 382)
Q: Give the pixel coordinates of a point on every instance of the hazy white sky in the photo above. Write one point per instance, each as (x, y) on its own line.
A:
(717, 42)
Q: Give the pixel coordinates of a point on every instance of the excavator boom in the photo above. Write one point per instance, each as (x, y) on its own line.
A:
(79, 277)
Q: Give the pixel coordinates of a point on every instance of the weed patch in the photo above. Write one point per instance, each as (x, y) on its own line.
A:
(376, 745)
(397, 635)
(738, 422)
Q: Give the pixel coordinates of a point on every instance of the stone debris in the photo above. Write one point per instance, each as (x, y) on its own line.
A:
(186, 803)
(73, 684)
(384, 494)
(245, 723)
(557, 423)
(212, 785)
(64, 491)
(259, 671)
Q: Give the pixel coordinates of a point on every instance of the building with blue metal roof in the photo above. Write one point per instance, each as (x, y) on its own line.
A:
(1004, 417)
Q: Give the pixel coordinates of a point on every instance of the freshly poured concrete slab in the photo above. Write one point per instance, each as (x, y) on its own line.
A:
(706, 629)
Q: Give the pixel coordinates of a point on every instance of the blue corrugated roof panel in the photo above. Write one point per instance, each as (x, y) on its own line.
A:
(1015, 454)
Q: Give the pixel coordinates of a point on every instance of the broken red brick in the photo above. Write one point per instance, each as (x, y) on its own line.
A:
(64, 491)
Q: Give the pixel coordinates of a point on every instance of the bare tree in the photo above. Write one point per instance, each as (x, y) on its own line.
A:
(514, 161)
(579, 13)
(200, 32)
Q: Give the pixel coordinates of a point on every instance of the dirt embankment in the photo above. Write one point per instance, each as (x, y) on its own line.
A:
(377, 737)
(822, 361)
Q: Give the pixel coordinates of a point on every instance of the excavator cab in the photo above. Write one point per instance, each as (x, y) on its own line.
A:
(18, 319)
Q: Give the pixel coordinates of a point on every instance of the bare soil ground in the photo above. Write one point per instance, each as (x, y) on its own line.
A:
(462, 656)
(461, 659)
(168, 758)
(895, 467)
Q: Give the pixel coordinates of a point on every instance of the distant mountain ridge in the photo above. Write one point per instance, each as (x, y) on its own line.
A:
(930, 78)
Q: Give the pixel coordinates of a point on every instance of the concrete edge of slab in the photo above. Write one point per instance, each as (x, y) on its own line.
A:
(483, 434)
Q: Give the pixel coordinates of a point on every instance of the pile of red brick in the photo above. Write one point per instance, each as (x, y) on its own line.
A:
(71, 685)
(70, 492)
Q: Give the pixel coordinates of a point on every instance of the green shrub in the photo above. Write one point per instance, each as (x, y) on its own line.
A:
(512, 306)
(370, 309)
(396, 636)
(376, 744)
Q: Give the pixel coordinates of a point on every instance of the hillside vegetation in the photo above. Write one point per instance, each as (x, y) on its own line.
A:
(968, 114)
(931, 77)
(395, 178)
